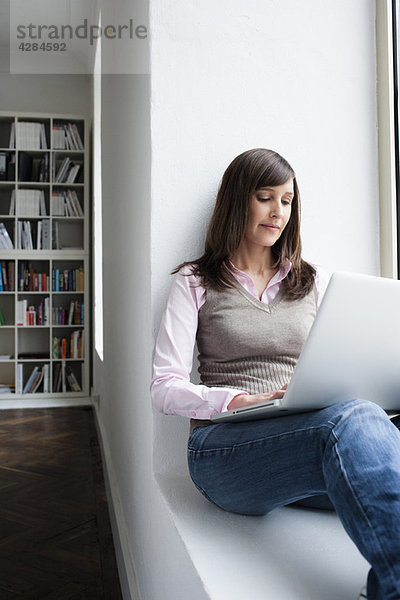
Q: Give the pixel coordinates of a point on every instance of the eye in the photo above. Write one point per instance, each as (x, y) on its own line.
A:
(287, 202)
(263, 198)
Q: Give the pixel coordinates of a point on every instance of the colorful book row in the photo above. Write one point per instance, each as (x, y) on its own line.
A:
(75, 315)
(31, 315)
(68, 280)
(31, 281)
(69, 346)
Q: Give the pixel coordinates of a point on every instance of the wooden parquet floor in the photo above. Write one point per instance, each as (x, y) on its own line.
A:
(55, 536)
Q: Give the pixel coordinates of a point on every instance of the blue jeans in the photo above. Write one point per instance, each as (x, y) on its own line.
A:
(349, 452)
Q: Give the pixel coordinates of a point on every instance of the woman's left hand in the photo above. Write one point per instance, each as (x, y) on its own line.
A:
(242, 400)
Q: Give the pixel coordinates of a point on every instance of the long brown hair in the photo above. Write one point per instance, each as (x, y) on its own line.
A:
(247, 173)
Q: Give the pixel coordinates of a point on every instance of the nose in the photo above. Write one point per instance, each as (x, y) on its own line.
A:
(276, 209)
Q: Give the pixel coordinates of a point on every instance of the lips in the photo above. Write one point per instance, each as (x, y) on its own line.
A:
(269, 226)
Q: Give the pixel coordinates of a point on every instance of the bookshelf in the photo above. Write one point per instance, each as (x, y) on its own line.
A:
(44, 256)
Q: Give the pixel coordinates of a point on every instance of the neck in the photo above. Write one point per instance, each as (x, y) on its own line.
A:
(254, 259)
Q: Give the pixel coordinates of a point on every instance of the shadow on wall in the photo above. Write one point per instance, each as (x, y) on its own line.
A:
(170, 436)
(170, 441)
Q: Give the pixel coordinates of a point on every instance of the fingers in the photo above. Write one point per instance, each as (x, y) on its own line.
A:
(248, 399)
(269, 395)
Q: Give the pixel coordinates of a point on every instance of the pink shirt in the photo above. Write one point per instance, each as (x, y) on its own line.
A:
(171, 389)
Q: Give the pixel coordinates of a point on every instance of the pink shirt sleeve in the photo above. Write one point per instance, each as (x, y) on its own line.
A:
(171, 389)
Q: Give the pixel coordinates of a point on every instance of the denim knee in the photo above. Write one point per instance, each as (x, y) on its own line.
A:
(358, 414)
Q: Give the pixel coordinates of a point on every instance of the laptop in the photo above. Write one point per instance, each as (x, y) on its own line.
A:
(352, 351)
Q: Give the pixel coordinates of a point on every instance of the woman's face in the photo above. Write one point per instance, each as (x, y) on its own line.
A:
(270, 209)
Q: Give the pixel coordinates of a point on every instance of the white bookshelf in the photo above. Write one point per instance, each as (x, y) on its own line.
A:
(47, 221)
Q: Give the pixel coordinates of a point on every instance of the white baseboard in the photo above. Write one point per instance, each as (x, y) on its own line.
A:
(123, 552)
(32, 402)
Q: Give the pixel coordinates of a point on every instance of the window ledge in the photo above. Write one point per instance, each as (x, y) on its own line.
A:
(291, 553)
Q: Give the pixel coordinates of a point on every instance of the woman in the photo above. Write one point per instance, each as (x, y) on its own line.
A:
(249, 302)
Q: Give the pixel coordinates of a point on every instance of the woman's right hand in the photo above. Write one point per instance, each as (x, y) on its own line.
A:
(248, 399)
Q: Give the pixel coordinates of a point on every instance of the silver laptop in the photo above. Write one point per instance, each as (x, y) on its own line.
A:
(352, 351)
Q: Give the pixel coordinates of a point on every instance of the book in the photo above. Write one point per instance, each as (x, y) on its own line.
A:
(12, 203)
(20, 378)
(58, 137)
(7, 275)
(46, 234)
(43, 139)
(63, 378)
(10, 269)
(76, 136)
(62, 171)
(25, 161)
(57, 204)
(63, 345)
(76, 206)
(73, 173)
(12, 136)
(5, 239)
(31, 379)
(71, 312)
(11, 168)
(78, 313)
(3, 276)
(38, 380)
(46, 378)
(3, 165)
(22, 308)
(57, 378)
(39, 235)
(72, 380)
(28, 135)
(56, 237)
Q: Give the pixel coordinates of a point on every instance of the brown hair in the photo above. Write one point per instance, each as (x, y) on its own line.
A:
(247, 173)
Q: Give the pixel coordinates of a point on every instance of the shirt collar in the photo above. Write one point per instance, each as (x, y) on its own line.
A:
(282, 272)
(285, 268)
(246, 281)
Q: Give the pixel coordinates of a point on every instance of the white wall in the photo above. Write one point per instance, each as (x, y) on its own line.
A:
(125, 414)
(69, 94)
(298, 77)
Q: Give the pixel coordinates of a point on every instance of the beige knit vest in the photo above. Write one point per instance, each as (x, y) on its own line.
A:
(248, 345)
